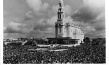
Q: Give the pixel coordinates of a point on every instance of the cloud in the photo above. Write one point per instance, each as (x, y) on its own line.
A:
(90, 10)
(68, 9)
(97, 34)
(5, 13)
(37, 6)
(14, 27)
(87, 28)
(43, 24)
(52, 20)
(98, 4)
(46, 26)
(29, 15)
(45, 10)
(16, 19)
(92, 15)
(17, 30)
(14, 35)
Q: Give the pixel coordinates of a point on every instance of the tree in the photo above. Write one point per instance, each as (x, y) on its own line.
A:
(86, 39)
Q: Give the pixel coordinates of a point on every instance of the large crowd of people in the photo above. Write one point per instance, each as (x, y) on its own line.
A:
(84, 53)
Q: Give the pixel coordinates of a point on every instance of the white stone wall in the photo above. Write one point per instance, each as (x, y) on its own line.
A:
(71, 31)
(75, 35)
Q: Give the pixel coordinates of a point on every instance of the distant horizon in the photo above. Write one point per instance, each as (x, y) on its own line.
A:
(41, 38)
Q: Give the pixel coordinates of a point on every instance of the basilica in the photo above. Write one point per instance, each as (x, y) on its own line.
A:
(66, 31)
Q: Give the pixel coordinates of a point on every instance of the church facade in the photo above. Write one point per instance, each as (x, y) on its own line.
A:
(67, 28)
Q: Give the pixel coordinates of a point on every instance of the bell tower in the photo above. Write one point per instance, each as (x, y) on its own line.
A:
(61, 12)
(59, 25)
(65, 29)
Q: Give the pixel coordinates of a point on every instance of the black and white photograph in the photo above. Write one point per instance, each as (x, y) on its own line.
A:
(54, 32)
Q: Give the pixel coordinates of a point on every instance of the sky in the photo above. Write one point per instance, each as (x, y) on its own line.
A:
(36, 18)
